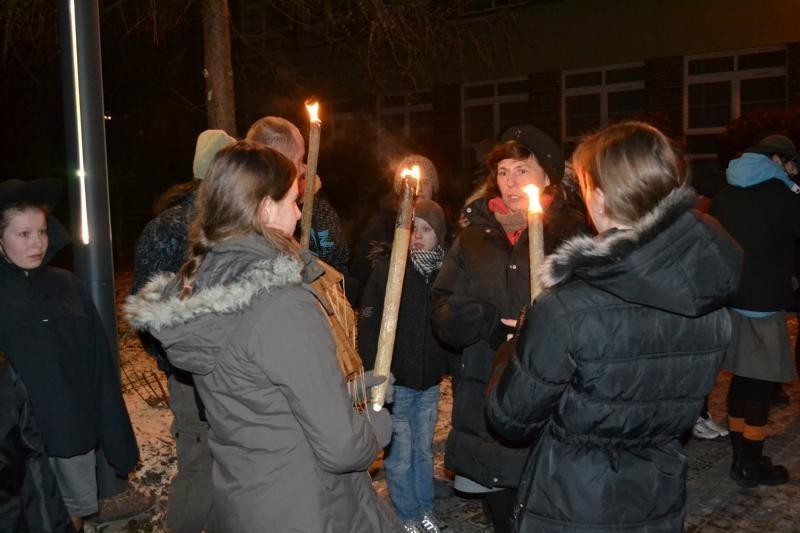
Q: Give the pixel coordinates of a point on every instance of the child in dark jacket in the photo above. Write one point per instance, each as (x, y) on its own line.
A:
(418, 364)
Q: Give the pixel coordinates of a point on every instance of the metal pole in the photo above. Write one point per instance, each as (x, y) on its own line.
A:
(82, 87)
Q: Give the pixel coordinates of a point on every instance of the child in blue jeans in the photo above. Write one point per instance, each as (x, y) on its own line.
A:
(418, 364)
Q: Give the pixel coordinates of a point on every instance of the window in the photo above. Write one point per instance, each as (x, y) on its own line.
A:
(595, 97)
(489, 108)
(406, 114)
(722, 87)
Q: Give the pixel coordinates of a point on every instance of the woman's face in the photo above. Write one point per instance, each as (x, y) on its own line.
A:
(423, 237)
(283, 214)
(24, 240)
(513, 175)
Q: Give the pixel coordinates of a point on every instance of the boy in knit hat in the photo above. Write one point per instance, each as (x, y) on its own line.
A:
(162, 248)
(418, 364)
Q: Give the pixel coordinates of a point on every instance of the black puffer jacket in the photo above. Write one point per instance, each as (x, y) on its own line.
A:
(613, 363)
(483, 279)
(51, 331)
(29, 495)
(419, 360)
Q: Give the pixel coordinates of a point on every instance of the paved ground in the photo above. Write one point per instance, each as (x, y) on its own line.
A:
(715, 503)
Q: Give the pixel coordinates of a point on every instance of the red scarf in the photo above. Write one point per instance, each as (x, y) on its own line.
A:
(515, 226)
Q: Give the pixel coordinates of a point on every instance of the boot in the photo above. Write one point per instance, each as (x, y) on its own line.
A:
(736, 444)
(756, 469)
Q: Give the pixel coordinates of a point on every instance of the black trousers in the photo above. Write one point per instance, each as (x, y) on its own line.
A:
(501, 509)
(750, 398)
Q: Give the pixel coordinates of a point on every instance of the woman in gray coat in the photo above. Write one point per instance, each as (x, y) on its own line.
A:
(290, 453)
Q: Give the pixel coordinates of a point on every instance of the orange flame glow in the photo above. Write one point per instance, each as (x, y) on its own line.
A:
(533, 198)
(313, 110)
(414, 173)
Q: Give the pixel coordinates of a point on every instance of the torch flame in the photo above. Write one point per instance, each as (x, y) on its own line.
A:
(313, 110)
(533, 198)
(414, 173)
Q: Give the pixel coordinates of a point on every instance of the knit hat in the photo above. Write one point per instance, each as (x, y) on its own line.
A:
(430, 212)
(208, 144)
(426, 171)
(42, 191)
(546, 150)
(776, 144)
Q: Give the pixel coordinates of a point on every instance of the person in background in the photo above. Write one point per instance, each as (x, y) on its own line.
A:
(760, 207)
(612, 361)
(290, 453)
(29, 495)
(380, 228)
(52, 333)
(162, 248)
(482, 287)
(327, 240)
(418, 364)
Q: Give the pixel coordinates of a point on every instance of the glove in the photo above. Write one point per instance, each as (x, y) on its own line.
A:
(370, 381)
(381, 422)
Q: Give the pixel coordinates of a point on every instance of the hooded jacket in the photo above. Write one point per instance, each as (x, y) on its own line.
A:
(761, 209)
(485, 278)
(290, 453)
(611, 366)
(52, 333)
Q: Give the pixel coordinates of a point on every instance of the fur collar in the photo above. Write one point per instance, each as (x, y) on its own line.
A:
(157, 306)
(586, 252)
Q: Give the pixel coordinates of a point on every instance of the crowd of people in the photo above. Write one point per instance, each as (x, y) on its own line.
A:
(569, 411)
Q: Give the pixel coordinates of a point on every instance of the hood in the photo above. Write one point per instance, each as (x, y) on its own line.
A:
(675, 259)
(751, 169)
(193, 331)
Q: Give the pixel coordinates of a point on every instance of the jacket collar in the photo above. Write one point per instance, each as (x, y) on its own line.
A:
(156, 306)
(613, 245)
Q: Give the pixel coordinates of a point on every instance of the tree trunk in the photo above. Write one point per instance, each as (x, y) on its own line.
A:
(218, 70)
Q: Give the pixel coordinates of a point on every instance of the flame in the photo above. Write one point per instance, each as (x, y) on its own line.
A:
(313, 110)
(533, 198)
(414, 173)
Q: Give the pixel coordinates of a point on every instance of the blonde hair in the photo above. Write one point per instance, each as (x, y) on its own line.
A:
(241, 176)
(634, 164)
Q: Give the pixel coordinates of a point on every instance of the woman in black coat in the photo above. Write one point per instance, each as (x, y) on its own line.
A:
(614, 359)
(482, 287)
(51, 332)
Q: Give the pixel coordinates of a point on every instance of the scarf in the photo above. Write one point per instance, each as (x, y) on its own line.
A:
(514, 224)
(425, 261)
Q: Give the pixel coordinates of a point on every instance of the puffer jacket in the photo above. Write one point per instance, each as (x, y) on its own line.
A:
(485, 278)
(290, 453)
(29, 496)
(611, 366)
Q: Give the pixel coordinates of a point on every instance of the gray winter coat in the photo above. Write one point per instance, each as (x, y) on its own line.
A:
(290, 453)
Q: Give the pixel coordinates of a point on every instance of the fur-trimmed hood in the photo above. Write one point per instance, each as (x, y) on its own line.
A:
(675, 259)
(231, 278)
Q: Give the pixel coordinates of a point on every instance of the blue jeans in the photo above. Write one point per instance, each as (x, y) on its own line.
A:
(409, 463)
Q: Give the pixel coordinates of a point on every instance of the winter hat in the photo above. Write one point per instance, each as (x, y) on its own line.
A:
(430, 212)
(42, 191)
(208, 144)
(426, 171)
(546, 150)
(776, 144)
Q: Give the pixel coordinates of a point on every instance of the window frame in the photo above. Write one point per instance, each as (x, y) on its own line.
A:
(495, 101)
(406, 109)
(734, 76)
(603, 90)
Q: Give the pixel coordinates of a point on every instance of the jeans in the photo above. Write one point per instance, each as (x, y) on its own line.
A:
(409, 463)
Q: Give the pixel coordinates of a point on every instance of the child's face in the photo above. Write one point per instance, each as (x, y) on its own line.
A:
(423, 237)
